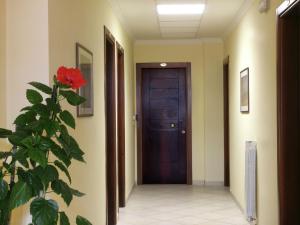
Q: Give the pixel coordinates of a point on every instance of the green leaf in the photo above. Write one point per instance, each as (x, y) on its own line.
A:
(82, 221)
(3, 189)
(61, 155)
(50, 174)
(15, 139)
(63, 169)
(27, 108)
(21, 120)
(47, 174)
(67, 118)
(33, 96)
(72, 149)
(46, 143)
(44, 212)
(77, 193)
(76, 152)
(28, 142)
(36, 126)
(63, 219)
(42, 87)
(4, 133)
(21, 155)
(21, 193)
(65, 134)
(4, 210)
(51, 127)
(25, 118)
(31, 179)
(73, 98)
(63, 189)
(38, 156)
(41, 110)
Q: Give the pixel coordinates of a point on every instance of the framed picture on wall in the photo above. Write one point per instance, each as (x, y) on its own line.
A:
(244, 92)
(84, 62)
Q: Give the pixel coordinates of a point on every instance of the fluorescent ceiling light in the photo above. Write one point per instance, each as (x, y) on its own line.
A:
(180, 9)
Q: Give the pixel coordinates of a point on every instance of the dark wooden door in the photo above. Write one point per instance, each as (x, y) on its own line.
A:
(110, 128)
(121, 126)
(226, 122)
(164, 126)
(288, 87)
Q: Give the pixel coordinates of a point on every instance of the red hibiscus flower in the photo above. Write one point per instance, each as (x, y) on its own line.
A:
(70, 76)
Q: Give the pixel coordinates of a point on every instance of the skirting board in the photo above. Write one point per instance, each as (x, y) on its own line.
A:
(241, 208)
(130, 193)
(208, 183)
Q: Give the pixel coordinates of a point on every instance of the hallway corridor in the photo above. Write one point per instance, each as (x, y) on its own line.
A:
(180, 205)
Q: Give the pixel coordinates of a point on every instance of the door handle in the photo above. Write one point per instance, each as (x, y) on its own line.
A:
(183, 131)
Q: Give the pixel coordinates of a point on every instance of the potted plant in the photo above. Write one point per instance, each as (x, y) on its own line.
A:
(42, 150)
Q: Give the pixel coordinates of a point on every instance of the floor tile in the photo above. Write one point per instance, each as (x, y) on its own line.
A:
(181, 205)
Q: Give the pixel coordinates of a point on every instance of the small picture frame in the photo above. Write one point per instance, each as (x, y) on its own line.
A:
(84, 62)
(244, 91)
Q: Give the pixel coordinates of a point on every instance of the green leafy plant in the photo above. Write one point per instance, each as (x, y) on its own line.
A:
(42, 150)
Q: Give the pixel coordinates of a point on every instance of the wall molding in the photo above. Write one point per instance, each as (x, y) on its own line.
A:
(198, 182)
(237, 202)
(130, 192)
(179, 41)
(208, 183)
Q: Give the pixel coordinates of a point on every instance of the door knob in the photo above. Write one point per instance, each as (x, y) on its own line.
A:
(183, 132)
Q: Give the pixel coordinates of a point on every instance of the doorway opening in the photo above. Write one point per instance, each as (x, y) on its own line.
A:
(110, 127)
(121, 125)
(164, 132)
(288, 101)
(226, 122)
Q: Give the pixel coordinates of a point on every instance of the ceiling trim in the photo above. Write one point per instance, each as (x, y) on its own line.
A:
(179, 41)
(237, 19)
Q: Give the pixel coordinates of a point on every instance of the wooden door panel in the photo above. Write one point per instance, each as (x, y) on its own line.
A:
(163, 93)
(164, 111)
(164, 83)
(166, 140)
(165, 124)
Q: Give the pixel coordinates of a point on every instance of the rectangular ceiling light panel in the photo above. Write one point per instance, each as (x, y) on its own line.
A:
(180, 9)
(179, 23)
(170, 18)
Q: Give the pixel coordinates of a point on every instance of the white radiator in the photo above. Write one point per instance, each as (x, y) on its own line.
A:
(250, 180)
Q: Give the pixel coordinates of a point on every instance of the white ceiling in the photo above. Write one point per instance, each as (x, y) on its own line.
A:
(141, 19)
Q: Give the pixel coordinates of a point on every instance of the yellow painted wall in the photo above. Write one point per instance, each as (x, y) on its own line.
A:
(2, 66)
(207, 120)
(27, 50)
(83, 21)
(253, 44)
(39, 47)
(27, 59)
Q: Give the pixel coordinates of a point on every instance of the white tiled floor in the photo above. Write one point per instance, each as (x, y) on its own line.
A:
(180, 205)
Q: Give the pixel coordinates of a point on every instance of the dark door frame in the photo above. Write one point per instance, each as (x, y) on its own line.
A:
(226, 122)
(121, 125)
(288, 57)
(110, 127)
(139, 68)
